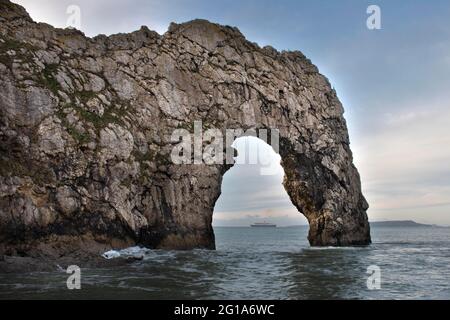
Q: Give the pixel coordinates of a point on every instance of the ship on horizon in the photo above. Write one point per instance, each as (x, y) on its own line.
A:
(263, 225)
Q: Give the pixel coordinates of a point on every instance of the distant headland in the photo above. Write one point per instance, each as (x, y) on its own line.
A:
(403, 224)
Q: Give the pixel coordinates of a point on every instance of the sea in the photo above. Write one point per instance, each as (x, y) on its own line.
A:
(263, 263)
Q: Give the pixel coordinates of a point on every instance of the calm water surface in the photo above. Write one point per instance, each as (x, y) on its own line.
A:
(264, 264)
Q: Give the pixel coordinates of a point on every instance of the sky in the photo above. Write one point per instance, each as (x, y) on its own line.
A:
(394, 84)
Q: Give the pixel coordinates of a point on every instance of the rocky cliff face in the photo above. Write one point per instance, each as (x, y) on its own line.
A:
(85, 126)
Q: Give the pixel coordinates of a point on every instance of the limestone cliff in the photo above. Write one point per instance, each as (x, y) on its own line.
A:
(85, 127)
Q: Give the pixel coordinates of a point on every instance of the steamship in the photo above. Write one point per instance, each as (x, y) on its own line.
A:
(263, 225)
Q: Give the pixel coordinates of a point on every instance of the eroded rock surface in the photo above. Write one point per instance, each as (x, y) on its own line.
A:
(85, 127)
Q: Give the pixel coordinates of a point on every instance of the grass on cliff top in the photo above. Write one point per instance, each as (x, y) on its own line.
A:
(98, 121)
(48, 78)
(85, 96)
(78, 136)
(81, 138)
(101, 121)
(8, 44)
(18, 167)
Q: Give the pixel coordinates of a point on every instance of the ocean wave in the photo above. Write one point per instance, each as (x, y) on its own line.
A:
(335, 248)
(132, 252)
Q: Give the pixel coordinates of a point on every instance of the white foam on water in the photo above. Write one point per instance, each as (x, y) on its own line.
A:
(133, 252)
(335, 248)
(111, 254)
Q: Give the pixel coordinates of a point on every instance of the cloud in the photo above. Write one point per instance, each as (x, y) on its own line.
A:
(407, 165)
(403, 117)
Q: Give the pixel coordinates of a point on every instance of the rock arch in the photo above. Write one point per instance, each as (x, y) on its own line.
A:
(86, 126)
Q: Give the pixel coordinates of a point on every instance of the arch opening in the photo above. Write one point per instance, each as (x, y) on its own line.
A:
(253, 191)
